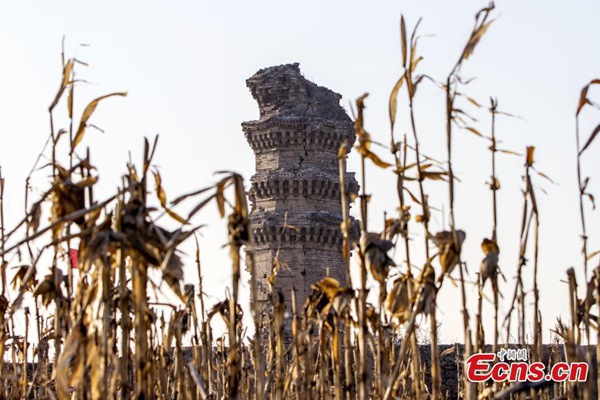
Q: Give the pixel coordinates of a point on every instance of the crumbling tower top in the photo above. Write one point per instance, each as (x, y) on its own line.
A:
(282, 91)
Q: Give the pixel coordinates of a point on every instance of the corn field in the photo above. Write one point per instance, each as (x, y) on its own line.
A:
(105, 333)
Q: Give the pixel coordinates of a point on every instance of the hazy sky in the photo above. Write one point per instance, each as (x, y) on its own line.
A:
(184, 65)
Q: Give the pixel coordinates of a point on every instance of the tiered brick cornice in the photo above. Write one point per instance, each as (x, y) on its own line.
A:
(290, 132)
(283, 185)
(323, 228)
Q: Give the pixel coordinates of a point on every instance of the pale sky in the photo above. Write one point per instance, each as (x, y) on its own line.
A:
(184, 65)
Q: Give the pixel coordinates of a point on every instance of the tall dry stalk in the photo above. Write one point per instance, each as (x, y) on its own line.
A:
(346, 245)
(526, 219)
(411, 61)
(400, 225)
(480, 27)
(582, 185)
(494, 187)
(537, 328)
(364, 143)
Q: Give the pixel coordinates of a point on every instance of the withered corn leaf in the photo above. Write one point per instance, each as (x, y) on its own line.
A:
(63, 84)
(87, 113)
(590, 139)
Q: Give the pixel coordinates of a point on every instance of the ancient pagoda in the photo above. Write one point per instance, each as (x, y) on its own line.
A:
(296, 184)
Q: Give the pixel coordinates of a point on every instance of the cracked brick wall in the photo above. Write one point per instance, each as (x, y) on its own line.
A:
(295, 192)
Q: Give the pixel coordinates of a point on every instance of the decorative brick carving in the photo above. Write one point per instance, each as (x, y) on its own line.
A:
(295, 192)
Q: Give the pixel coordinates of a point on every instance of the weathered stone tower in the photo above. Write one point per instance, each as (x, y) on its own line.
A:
(296, 184)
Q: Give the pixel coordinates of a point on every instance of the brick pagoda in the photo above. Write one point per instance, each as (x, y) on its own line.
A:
(296, 142)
